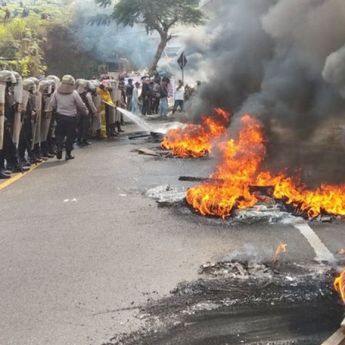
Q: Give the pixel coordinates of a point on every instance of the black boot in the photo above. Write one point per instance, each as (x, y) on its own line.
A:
(99, 134)
(17, 168)
(44, 151)
(52, 148)
(59, 155)
(37, 153)
(22, 167)
(114, 131)
(86, 142)
(36, 159)
(4, 175)
(25, 163)
(69, 156)
(119, 129)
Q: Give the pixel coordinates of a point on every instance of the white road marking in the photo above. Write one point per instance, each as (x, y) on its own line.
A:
(321, 251)
(70, 200)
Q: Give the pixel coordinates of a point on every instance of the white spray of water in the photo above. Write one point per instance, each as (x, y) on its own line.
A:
(334, 70)
(136, 119)
(161, 128)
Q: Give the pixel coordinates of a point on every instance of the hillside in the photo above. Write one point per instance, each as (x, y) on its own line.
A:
(32, 35)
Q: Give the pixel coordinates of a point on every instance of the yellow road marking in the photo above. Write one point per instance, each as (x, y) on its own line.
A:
(17, 177)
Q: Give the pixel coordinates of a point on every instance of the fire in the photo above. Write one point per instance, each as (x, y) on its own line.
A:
(282, 248)
(327, 198)
(197, 140)
(339, 285)
(240, 168)
(241, 159)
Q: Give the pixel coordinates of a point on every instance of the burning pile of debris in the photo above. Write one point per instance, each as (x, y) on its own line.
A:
(197, 140)
(239, 181)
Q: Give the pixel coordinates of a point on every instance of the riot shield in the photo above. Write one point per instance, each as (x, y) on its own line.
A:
(18, 97)
(2, 113)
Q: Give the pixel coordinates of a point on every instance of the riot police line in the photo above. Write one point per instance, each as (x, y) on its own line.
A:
(41, 118)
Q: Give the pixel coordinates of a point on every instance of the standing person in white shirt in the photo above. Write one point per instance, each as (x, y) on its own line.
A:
(135, 99)
(179, 96)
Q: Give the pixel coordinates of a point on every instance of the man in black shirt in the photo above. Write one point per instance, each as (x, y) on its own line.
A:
(146, 95)
(129, 93)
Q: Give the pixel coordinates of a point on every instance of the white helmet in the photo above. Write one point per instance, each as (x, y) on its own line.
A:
(29, 85)
(46, 85)
(7, 77)
(55, 79)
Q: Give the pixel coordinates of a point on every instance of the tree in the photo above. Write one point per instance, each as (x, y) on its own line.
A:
(22, 39)
(157, 16)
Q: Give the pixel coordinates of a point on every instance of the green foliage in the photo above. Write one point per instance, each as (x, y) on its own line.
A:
(23, 38)
(155, 15)
(101, 19)
(24, 66)
(17, 28)
(104, 3)
(8, 49)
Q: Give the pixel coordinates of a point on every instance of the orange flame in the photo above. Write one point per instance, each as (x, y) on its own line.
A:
(327, 198)
(197, 140)
(240, 161)
(282, 248)
(240, 168)
(339, 285)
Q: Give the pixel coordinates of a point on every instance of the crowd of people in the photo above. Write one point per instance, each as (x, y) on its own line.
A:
(39, 118)
(150, 97)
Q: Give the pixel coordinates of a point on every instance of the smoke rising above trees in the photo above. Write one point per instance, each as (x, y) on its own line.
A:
(106, 42)
(282, 61)
(156, 16)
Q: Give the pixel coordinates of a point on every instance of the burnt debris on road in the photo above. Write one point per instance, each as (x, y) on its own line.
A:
(244, 303)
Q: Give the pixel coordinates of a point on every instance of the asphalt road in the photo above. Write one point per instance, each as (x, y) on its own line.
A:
(81, 247)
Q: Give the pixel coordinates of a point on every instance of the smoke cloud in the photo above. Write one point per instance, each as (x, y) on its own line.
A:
(283, 61)
(108, 42)
(334, 71)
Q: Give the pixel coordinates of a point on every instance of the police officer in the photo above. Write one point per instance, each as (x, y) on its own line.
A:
(29, 113)
(51, 139)
(46, 88)
(36, 124)
(4, 78)
(67, 104)
(9, 150)
(84, 125)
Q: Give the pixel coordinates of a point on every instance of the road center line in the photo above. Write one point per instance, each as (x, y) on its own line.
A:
(321, 251)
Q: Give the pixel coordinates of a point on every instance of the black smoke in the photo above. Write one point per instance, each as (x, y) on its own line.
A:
(281, 61)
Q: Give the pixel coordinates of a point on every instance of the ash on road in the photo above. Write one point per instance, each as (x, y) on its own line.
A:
(259, 305)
